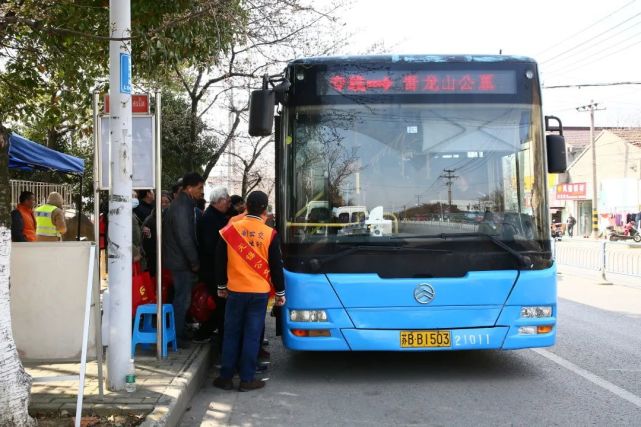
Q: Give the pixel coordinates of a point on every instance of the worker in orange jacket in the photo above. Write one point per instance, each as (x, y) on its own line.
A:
(248, 264)
(23, 221)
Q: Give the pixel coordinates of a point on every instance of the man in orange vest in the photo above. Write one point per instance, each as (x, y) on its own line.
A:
(248, 264)
(23, 221)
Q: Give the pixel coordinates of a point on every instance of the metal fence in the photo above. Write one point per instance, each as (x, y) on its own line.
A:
(41, 191)
(609, 257)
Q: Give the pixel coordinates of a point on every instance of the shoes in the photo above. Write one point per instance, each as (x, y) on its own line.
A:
(223, 383)
(261, 367)
(201, 339)
(252, 385)
(265, 341)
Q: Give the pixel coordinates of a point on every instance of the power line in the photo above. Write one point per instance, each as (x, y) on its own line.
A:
(593, 45)
(591, 38)
(591, 85)
(587, 28)
(575, 66)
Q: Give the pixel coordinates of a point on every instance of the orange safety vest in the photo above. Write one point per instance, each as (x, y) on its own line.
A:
(238, 217)
(29, 220)
(242, 216)
(248, 243)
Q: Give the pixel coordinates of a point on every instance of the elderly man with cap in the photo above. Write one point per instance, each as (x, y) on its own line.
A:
(50, 219)
(248, 264)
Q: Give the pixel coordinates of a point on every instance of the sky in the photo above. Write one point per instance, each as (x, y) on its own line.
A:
(574, 42)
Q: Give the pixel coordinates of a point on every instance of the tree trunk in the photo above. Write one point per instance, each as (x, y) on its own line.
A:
(15, 383)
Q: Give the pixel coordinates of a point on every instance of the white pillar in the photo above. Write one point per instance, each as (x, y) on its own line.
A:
(120, 222)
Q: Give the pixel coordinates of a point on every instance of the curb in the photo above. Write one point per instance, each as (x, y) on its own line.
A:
(181, 390)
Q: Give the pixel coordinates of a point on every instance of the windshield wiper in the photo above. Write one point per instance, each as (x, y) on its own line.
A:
(524, 261)
(317, 262)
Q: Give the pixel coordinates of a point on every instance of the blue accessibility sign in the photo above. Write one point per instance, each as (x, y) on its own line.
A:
(125, 73)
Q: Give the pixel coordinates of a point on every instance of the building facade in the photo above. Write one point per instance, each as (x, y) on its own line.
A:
(618, 164)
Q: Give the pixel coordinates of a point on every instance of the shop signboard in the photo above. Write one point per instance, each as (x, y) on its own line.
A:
(571, 191)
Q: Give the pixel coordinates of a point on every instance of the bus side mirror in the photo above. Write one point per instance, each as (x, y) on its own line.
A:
(261, 112)
(557, 158)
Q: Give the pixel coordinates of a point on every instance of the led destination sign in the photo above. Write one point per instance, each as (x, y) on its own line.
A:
(500, 82)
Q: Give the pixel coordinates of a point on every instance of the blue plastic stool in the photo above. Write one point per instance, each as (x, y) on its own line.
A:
(147, 334)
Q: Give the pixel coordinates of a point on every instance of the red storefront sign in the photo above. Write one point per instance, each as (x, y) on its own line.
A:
(573, 191)
(139, 104)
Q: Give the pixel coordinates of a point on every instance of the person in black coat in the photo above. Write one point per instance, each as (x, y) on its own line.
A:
(180, 248)
(212, 221)
(145, 204)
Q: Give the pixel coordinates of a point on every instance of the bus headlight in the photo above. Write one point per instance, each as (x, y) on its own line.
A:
(536, 312)
(308, 315)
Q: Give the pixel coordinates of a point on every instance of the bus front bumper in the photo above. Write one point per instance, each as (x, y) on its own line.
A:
(346, 339)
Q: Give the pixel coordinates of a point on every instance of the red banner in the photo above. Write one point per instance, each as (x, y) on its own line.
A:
(139, 104)
(246, 252)
(573, 191)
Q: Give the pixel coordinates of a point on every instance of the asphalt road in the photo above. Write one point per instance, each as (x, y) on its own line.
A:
(591, 377)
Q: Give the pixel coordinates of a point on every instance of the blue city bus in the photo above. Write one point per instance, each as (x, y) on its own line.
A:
(411, 200)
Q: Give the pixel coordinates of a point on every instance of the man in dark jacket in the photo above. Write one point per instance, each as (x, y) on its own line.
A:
(145, 204)
(180, 247)
(212, 221)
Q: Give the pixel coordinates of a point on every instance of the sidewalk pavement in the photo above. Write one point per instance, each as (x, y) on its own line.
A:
(163, 387)
(620, 298)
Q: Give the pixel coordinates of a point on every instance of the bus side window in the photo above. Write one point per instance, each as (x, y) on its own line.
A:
(343, 218)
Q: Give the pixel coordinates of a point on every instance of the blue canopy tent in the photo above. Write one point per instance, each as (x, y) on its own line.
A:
(30, 156)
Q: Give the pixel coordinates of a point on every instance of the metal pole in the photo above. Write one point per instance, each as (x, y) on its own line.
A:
(79, 207)
(96, 233)
(85, 335)
(595, 216)
(120, 221)
(158, 176)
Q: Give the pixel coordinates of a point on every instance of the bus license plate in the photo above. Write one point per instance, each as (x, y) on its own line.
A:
(418, 339)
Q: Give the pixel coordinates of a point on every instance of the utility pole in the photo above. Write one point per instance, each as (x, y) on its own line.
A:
(448, 174)
(418, 199)
(592, 107)
(119, 243)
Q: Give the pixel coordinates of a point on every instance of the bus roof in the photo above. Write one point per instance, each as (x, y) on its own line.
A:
(354, 59)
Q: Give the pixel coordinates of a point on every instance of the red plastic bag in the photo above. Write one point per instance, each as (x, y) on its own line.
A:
(202, 304)
(167, 282)
(142, 288)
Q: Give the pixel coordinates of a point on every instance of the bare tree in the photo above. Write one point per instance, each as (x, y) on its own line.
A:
(276, 32)
(252, 177)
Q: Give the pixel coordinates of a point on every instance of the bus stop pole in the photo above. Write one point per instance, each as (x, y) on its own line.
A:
(96, 232)
(158, 177)
(120, 208)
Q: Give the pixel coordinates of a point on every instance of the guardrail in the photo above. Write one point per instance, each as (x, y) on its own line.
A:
(41, 190)
(619, 258)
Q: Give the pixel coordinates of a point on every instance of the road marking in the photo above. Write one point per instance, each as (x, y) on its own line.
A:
(594, 379)
(624, 370)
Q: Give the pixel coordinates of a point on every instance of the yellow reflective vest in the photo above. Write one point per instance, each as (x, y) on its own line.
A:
(44, 223)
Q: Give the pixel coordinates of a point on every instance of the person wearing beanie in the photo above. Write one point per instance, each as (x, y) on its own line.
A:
(248, 265)
(237, 205)
(50, 219)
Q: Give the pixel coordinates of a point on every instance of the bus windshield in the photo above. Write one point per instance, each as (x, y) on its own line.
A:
(382, 172)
